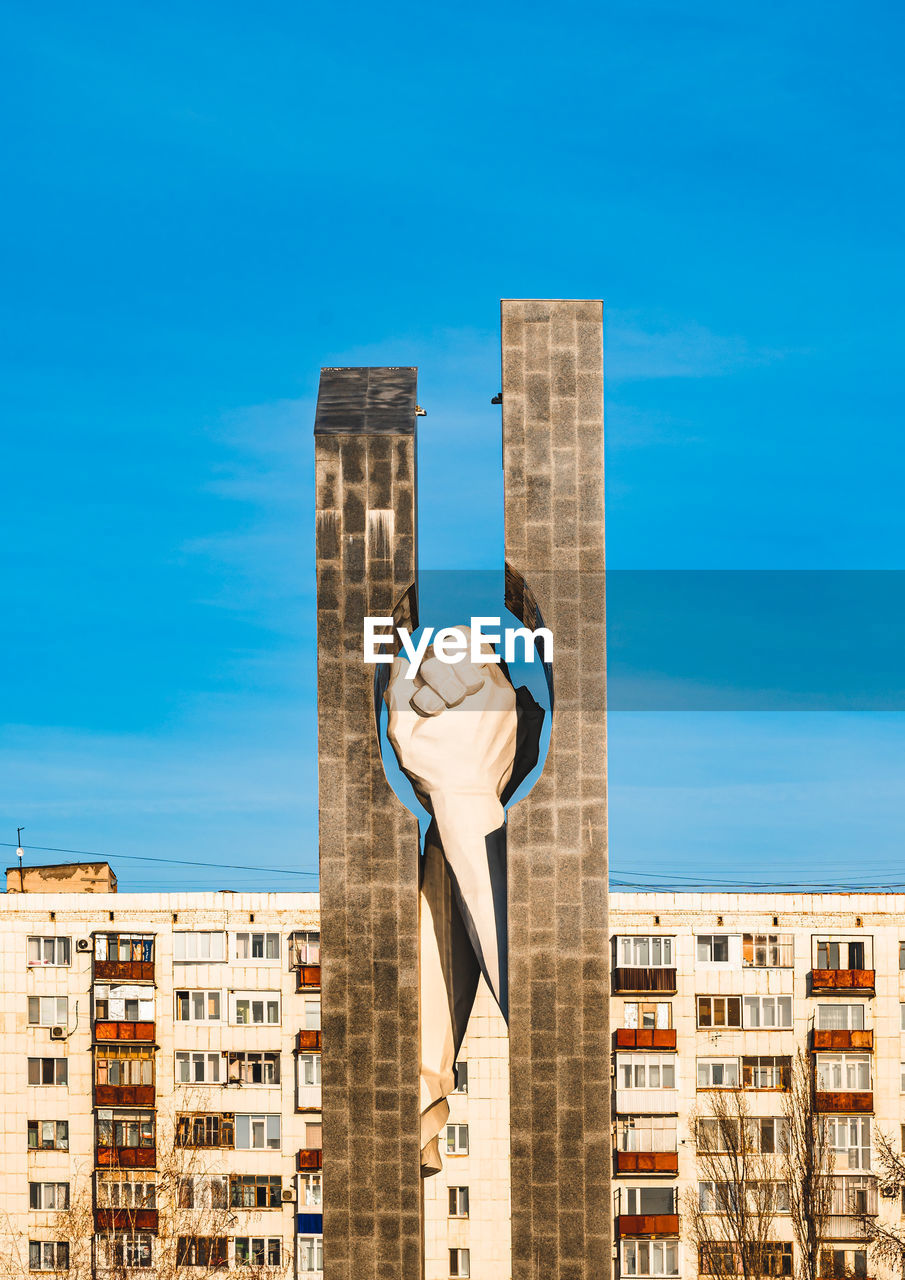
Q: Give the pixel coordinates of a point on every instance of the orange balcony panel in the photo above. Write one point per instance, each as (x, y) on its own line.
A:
(124, 1031)
(310, 1158)
(125, 1220)
(646, 1038)
(124, 970)
(630, 981)
(842, 979)
(647, 1162)
(126, 1157)
(847, 1103)
(842, 1039)
(308, 1041)
(307, 976)
(648, 1224)
(124, 1095)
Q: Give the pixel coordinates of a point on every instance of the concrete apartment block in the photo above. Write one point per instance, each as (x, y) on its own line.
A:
(366, 563)
(557, 836)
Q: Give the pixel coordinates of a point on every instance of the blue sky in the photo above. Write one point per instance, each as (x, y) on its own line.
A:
(204, 204)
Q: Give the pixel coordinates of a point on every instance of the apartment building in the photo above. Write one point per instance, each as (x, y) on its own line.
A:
(160, 1076)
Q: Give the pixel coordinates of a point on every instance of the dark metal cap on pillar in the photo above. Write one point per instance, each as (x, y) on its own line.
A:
(366, 401)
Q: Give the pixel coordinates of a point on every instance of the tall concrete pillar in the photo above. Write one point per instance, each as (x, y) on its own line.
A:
(557, 836)
(366, 560)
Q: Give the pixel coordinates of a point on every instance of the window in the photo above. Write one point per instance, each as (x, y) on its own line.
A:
(646, 1133)
(124, 946)
(201, 946)
(644, 953)
(650, 1257)
(719, 1011)
(766, 1072)
(717, 1073)
(254, 1191)
(765, 1134)
(259, 1251)
(201, 1251)
(768, 950)
(133, 1249)
(647, 1014)
(48, 1195)
(849, 1137)
(123, 1003)
(846, 1071)
(48, 1011)
(457, 1139)
(48, 1255)
(902, 955)
(257, 1068)
(634, 1200)
(855, 1196)
(840, 1017)
(311, 1190)
(843, 953)
(119, 1191)
(256, 1008)
(310, 1252)
(459, 1262)
(48, 1135)
(645, 1071)
(312, 1014)
(838, 1264)
(309, 1069)
(48, 951)
(197, 1006)
(123, 1064)
(314, 1134)
(48, 1071)
(458, 1202)
(717, 1258)
(205, 1129)
(304, 948)
(203, 1191)
(713, 948)
(902, 1017)
(461, 1070)
(762, 1198)
(768, 1011)
(197, 1068)
(257, 946)
(121, 1129)
(257, 1132)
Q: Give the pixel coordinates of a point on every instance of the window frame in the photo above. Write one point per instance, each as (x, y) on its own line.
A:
(56, 940)
(710, 1023)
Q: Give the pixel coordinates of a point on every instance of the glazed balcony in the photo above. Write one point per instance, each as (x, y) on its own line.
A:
(125, 1220)
(647, 1224)
(848, 1103)
(657, 1162)
(126, 1157)
(638, 981)
(310, 1158)
(645, 1038)
(824, 1039)
(829, 981)
(309, 1042)
(124, 1095)
(307, 977)
(142, 1031)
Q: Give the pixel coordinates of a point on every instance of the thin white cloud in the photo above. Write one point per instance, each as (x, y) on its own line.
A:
(638, 347)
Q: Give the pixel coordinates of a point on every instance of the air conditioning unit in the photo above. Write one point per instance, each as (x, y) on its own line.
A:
(888, 1192)
(58, 1033)
(288, 1195)
(83, 944)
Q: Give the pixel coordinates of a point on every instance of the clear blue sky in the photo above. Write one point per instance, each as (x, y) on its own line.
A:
(204, 203)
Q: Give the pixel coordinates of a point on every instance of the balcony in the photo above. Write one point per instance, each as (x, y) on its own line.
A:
(646, 1038)
(647, 1224)
(309, 1041)
(143, 1031)
(636, 981)
(822, 1039)
(847, 1103)
(646, 1162)
(125, 1220)
(307, 977)
(647, 1102)
(844, 1227)
(126, 1157)
(828, 981)
(124, 970)
(124, 1095)
(309, 1098)
(310, 1158)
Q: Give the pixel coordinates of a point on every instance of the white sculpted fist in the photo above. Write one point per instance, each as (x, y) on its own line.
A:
(453, 727)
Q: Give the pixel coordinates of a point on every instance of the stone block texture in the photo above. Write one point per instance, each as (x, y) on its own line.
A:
(552, 355)
(366, 558)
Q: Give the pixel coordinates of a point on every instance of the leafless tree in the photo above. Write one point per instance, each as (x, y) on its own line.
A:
(887, 1241)
(809, 1162)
